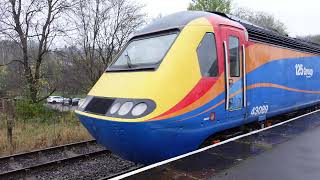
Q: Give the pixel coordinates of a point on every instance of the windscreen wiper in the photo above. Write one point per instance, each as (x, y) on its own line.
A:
(129, 63)
(132, 69)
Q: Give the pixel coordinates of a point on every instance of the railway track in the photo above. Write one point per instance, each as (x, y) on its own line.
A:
(72, 161)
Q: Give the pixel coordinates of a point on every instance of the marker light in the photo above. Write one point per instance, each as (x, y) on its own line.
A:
(125, 108)
(212, 116)
(139, 109)
(115, 108)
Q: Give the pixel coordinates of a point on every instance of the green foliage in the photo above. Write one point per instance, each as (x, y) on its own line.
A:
(262, 19)
(211, 5)
(28, 111)
(259, 18)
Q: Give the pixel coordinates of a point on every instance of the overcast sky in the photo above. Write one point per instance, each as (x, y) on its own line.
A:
(300, 17)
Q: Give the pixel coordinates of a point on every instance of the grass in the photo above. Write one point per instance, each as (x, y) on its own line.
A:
(36, 131)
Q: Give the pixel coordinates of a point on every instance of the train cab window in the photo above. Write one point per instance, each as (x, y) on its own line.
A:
(207, 56)
(234, 56)
(146, 52)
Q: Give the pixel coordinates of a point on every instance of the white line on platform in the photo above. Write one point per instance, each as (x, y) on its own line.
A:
(205, 148)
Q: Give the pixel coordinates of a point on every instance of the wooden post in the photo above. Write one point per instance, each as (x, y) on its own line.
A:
(9, 109)
(1, 113)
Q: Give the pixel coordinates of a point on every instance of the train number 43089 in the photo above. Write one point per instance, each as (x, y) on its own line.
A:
(259, 110)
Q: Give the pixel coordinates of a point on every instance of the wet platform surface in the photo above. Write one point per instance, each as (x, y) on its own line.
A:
(287, 152)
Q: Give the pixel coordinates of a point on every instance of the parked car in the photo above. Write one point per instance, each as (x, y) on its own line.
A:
(67, 101)
(55, 99)
(75, 101)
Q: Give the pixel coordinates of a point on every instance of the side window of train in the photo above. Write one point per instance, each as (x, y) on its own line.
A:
(207, 56)
(234, 56)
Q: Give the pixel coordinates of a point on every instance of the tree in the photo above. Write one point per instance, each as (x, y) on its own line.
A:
(102, 27)
(312, 38)
(223, 6)
(262, 19)
(31, 24)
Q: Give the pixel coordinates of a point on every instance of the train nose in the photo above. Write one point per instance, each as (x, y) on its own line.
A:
(144, 143)
(132, 141)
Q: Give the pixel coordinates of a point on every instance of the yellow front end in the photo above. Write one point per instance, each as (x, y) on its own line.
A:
(177, 74)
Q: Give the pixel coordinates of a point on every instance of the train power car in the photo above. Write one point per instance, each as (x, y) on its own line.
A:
(190, 75)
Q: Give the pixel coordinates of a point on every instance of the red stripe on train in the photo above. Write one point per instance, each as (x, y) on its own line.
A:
(198, 91)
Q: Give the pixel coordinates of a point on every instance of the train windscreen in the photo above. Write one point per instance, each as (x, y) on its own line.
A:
(143, 52)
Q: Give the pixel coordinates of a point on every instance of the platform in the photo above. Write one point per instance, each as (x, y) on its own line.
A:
(288, 151)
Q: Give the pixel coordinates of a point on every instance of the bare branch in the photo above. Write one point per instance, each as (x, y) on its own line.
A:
(12, 61)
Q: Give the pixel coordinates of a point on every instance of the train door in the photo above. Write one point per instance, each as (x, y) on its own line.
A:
(235, 74)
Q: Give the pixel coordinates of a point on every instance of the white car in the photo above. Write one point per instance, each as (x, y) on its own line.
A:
(55, 99)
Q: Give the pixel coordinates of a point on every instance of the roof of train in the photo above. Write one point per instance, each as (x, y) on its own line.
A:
(260, 34)
(172, 21)
(180, 19)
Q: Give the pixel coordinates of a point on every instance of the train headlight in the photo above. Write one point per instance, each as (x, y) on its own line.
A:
(139, 109)
(125, 108)
(115, 108)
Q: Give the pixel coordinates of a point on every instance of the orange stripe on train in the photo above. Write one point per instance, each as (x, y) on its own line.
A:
(259, 85)
(259, 54)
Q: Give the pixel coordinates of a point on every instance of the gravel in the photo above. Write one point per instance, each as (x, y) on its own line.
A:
(45, 156)
(90, 168)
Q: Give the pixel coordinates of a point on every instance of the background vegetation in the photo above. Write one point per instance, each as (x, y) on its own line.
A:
(62, 46)
(36, 126)
(211, 5)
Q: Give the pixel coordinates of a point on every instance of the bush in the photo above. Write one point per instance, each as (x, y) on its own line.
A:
(26, 110)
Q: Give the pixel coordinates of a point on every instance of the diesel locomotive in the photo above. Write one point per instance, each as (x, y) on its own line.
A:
(190, 75)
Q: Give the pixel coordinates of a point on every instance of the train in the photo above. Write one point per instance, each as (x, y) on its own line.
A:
(192, 74)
